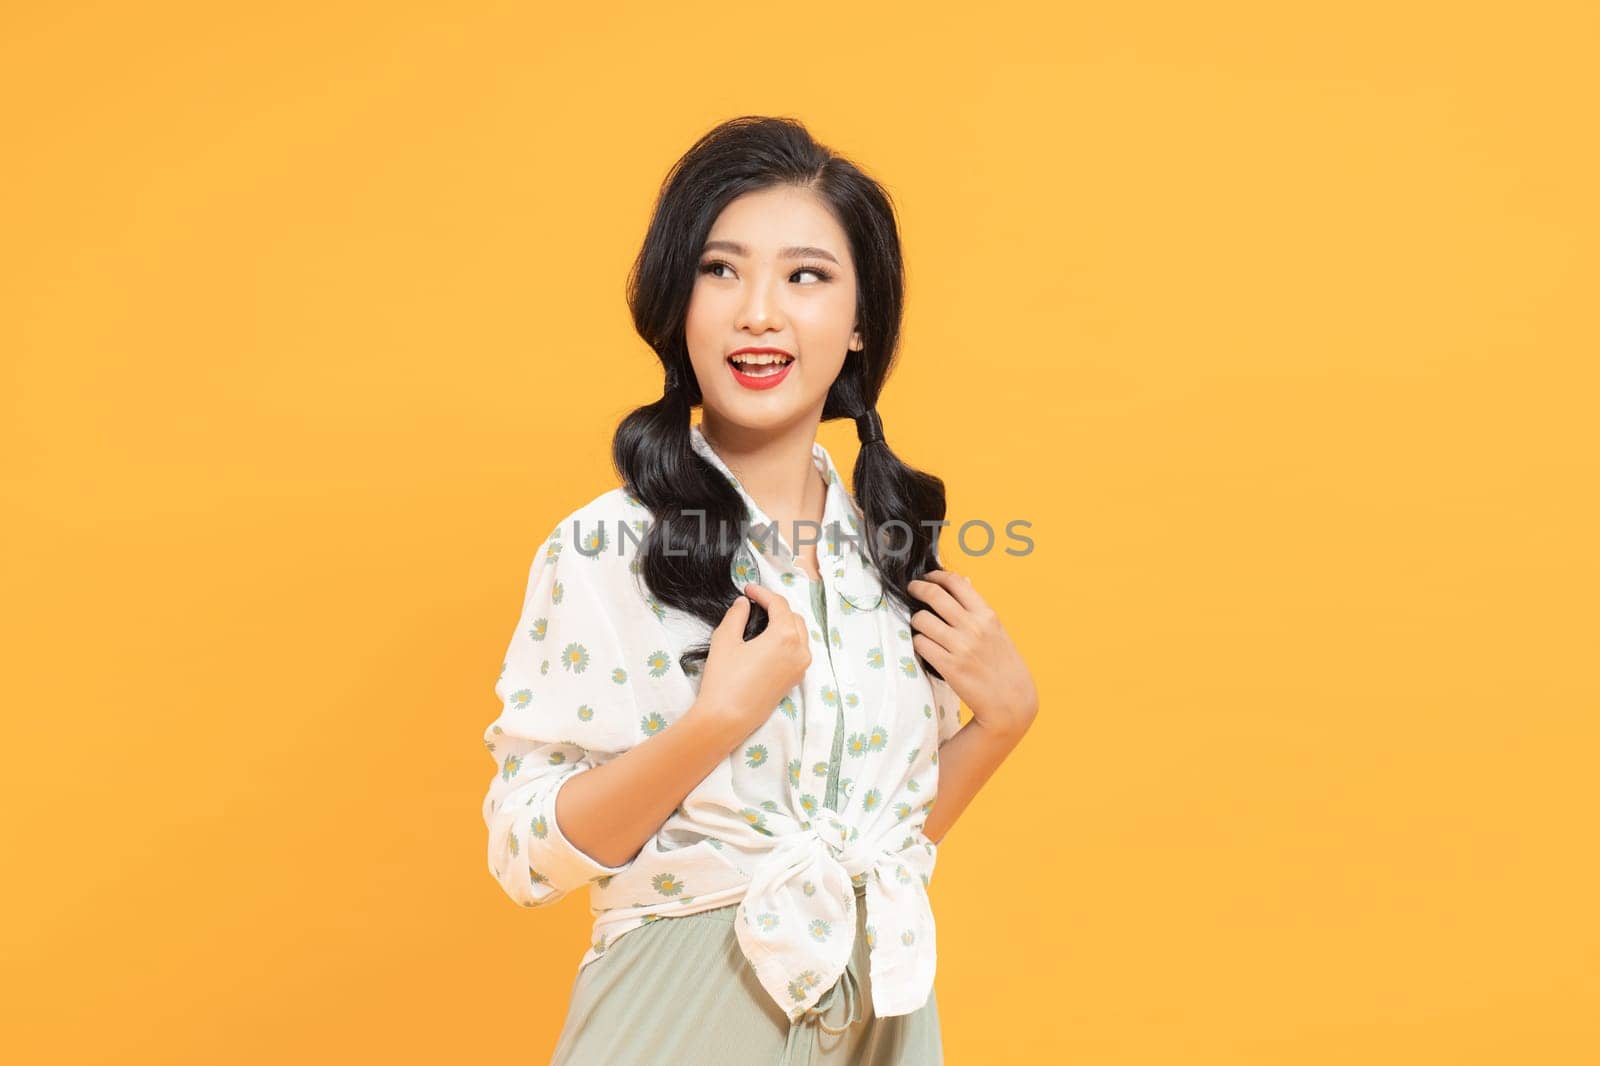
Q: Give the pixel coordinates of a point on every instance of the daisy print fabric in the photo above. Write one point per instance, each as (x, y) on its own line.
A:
(829, 794)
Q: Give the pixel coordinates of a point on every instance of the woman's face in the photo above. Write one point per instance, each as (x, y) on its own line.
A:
(775, 272)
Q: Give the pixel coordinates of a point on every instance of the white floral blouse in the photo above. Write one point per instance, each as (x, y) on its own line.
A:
(830, 793)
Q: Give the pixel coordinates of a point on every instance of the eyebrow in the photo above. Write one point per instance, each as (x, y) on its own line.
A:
(798, 252)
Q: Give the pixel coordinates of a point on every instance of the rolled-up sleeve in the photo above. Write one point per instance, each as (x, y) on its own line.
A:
(566, 705)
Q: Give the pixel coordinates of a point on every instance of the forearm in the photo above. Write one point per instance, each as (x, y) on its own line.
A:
(966, 762)
(610, 810)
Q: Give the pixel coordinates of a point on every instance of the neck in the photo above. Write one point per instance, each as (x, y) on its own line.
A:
(776, 468)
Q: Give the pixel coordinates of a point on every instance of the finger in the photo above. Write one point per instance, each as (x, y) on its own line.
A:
(768, 598)
(939, 599)
(932, 651)
(784, 621)
(931, 625)
(960, 587)
(736, 615)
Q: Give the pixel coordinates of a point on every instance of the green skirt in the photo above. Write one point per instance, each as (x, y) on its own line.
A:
(679, 991)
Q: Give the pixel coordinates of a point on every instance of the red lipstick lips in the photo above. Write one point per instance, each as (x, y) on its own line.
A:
(760, 375)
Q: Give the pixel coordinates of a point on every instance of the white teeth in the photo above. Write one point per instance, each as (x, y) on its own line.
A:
(760, 359)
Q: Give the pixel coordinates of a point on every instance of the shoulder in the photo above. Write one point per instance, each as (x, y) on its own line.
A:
(596, 544)
(609, 527)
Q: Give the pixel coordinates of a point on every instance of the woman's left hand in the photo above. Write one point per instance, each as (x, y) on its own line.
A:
(966, 643)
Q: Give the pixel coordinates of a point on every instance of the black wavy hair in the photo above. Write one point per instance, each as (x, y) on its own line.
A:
(651, 449)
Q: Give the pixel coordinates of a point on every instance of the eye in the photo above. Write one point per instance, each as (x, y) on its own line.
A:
(711, 266)
(818, 271)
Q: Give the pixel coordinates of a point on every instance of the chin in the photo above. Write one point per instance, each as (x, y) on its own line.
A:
(758, 416)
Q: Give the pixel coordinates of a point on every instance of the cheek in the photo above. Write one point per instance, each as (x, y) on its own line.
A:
(695, 316)
(828, 317)
(701, 331)
(824, 331)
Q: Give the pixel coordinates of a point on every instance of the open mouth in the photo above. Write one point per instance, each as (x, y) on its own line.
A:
(760, 366)
(760, 370)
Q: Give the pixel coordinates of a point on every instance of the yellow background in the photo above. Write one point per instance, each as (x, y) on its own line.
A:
(1278, 324)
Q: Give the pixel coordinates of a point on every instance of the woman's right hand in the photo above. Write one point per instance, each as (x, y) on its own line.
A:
(743, 680)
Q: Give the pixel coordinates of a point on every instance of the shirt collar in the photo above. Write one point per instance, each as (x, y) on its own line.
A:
(838, 506)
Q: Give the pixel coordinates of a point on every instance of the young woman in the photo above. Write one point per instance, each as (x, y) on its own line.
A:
(730, 706)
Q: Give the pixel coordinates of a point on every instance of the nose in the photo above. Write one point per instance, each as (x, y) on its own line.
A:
(760, 310)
